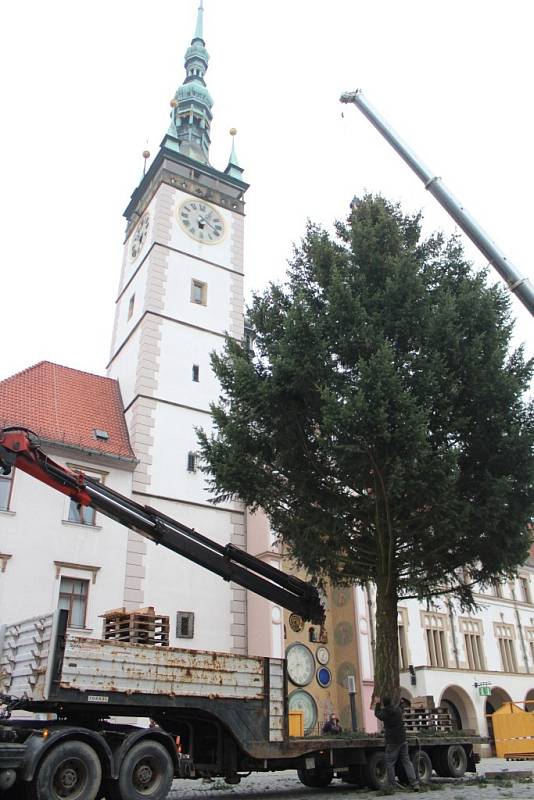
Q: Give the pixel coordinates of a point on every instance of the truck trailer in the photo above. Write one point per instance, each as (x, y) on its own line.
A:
(213, 715)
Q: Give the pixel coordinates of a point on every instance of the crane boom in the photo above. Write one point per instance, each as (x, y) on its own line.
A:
(515, 282)
(21, 448)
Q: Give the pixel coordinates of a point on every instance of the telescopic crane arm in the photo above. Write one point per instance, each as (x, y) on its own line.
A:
(20, 448)
(516, 283)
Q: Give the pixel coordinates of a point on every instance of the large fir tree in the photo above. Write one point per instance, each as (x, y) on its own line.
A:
(380, 419)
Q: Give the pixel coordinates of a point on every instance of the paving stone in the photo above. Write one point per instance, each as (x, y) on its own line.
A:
(510, 781)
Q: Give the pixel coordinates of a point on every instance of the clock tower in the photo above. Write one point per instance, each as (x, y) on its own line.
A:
(180, 293)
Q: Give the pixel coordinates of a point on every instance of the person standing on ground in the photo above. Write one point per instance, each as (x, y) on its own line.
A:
(396, 744)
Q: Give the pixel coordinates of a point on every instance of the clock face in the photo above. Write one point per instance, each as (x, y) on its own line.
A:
(139, 236)
(300, 664)
(300, 700)
(324, 677)
(201, 221)
(322, 655)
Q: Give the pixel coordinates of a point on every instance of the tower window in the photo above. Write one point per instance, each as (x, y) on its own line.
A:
(185, 624)
(191, 462)
(199, 292)
(131, 305)
(196, 371)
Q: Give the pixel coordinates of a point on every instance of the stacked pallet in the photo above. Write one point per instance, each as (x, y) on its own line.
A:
(418, 720)
(141, 626)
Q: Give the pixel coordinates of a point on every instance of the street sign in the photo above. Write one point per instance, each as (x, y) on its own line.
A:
(484, 691)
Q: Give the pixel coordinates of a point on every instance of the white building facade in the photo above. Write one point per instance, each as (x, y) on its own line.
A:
(469, 663)
(53, 553)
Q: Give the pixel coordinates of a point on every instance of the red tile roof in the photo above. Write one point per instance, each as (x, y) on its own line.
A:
(66, 406)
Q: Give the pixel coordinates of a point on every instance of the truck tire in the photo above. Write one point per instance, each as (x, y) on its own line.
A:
(454, 761)
(422, 766)
(69, 771)
(315, 779)
(146, 773)
(376, 776)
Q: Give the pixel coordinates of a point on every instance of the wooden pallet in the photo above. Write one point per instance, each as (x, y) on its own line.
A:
(421, 719)
(142, 626)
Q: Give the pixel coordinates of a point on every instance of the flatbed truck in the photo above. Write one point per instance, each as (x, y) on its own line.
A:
(70, 705)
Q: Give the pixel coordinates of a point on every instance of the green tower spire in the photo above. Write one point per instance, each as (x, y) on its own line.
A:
(191, 106)
(233, 169)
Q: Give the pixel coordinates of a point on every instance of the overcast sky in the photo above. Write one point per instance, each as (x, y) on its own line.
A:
(86, 85)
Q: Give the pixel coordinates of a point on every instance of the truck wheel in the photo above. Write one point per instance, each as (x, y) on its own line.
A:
(146, 772)
(422, 766)
(454, 761)
(69, 771)
(315, 779)
(376, 776)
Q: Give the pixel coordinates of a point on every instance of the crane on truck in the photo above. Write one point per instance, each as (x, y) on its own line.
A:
(216, 714)
(516, 283)
(21, 448)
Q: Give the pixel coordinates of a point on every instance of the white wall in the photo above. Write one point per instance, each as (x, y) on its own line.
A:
(123, 368)
(36, 533)
(174, 583)
(181, 347)
(182, 269)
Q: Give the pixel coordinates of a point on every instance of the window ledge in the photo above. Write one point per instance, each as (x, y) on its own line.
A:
(78, 631)
(72, 524)
(7, 512)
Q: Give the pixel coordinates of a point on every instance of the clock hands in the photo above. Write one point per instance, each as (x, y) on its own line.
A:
(204, 221)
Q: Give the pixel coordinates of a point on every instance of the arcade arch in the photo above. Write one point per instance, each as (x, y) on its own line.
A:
(497, 697)
(461, 708)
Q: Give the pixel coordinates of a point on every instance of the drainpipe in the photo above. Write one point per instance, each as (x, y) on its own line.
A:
(520, 627)
(453, 633)
(371, 623)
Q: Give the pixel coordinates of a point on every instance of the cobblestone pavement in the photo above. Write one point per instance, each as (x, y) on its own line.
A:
(516, 782)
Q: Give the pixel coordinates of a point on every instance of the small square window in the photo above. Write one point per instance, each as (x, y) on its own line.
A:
(196, 373)
(199, 292)
(185, 624)
(131, 305)
(83, 515)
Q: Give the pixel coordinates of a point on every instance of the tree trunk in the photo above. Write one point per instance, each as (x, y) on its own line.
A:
(387, 646)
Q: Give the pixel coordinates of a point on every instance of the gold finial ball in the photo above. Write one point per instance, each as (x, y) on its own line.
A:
(233, 131)
(173, 103)
(146, 154)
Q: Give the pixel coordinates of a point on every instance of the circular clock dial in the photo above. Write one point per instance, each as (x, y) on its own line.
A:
(324, 677)
(139, 236)
(302, 701)
(201, 221)
(322, 655)
(300, 664)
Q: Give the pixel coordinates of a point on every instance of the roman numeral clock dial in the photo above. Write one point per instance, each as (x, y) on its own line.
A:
(201, 221)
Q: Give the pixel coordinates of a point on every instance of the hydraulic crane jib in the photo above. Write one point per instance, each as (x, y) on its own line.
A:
(21, 448)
